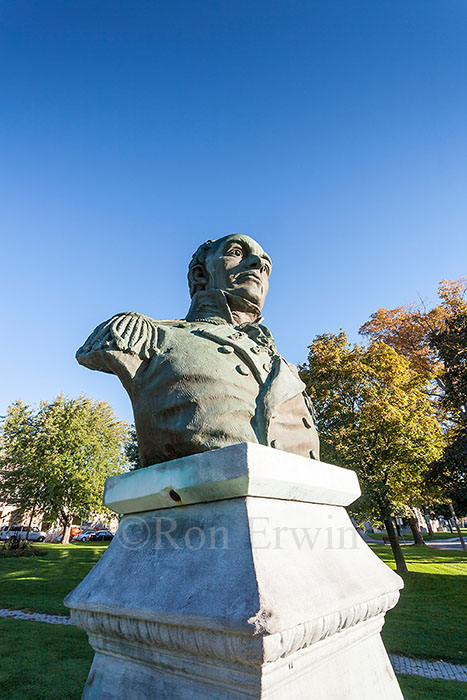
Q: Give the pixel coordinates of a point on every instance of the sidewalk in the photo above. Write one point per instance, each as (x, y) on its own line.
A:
(428, 669)
(451, 543)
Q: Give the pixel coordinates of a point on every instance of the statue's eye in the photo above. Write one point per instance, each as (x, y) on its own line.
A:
(237, 251)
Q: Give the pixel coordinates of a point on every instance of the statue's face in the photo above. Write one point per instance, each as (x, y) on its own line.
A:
(238, 265)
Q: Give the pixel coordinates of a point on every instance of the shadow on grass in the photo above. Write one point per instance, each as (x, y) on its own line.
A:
(429, 620)
(415, 688)
(415, 555)
(39, 584)
(42, 662)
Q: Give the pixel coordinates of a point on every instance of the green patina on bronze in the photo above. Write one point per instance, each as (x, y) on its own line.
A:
(215, 378)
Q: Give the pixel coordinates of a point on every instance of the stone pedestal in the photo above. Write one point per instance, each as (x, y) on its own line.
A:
(236, 574)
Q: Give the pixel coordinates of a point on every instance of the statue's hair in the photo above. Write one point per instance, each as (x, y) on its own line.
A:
(199, 258)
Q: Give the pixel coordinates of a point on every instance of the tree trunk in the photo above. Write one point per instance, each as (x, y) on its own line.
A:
(398, 528)
(66, 533)
(401, 566)
(456, 523)
(416, 532)
(428, 524)
(30, 522)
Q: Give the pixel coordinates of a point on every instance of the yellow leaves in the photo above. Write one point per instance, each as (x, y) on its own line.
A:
(373, 416)
(452, 295)
(408, 328)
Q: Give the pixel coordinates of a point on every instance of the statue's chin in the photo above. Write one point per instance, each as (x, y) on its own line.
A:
(243, 299)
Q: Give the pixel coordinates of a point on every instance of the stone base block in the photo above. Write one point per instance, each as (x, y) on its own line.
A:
(244, 596)
(350, 666)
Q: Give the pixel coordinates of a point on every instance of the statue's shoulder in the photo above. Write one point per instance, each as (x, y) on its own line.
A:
(126, 332)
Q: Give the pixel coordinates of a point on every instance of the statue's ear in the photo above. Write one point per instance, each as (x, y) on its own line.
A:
(198, 276)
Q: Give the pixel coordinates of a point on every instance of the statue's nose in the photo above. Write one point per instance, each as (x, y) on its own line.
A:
(254, 261)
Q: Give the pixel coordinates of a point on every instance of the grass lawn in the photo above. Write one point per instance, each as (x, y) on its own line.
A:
(51, 662)
(39, 584)
(42, 661)
(416, 688)
(430, 619)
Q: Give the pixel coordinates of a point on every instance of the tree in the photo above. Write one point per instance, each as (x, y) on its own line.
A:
(435, 343)
(410, 329)
(19, 482)
(450, 342)
(373, 416)
(131, 449)
(58, 457)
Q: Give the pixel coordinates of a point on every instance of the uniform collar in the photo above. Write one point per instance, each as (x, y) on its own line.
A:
(212, 306)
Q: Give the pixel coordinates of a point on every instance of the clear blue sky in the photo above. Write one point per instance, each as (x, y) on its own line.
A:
(333, 132)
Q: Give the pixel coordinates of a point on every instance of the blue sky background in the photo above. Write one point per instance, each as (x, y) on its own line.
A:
(333, 132)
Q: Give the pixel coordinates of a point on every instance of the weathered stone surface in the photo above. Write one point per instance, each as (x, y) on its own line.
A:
(252, 596)
(215, 378)
(246, 469)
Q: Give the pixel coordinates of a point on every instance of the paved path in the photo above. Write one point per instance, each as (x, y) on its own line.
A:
(36, 617)
(451, 543)
(401, 664)
(429, 669)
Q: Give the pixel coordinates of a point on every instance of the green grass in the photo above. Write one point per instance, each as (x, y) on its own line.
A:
(51, 662)
(39, 584)
(429, 621)
(416, 688)
(41, 661)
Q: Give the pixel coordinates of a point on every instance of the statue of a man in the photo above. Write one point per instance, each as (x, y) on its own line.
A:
(215, 378)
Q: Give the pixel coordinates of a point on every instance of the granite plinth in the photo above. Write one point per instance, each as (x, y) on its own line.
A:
(246, 469)
(254, 584)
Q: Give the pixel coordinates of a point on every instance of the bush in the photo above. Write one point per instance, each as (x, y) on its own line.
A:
(20, 548)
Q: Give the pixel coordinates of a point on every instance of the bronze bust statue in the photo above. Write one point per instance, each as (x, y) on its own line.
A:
(215, 378)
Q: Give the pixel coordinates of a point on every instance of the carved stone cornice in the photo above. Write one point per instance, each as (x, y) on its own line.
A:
(287, 642)
(233, 647)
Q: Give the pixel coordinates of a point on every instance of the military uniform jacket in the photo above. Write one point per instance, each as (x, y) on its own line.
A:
(203, 383)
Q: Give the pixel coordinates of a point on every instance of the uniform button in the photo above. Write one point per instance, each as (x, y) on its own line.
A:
(241, 369)
(255, 349)
(267, 366)
(306, 423)
(227, 349)
(273, 443)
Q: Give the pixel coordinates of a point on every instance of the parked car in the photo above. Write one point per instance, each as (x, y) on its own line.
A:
(54, 537)
(19, 532)
(101, 535)
(84, 535)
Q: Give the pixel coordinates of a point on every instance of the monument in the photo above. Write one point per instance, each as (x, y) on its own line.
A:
(235, 571)
(215, 378)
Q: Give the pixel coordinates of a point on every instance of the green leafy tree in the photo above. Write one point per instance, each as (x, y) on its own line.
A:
(57, 458)
(131, 449)
(373, 416)
(449, 473)
(18, 478)
(435, 344)
(450, 344)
